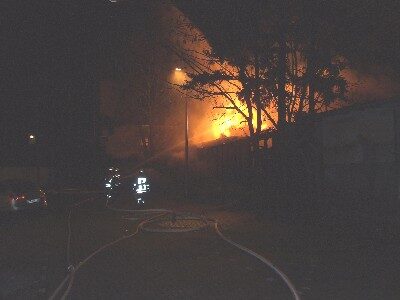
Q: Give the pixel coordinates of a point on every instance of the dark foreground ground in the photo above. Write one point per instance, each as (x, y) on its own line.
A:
(330, 263)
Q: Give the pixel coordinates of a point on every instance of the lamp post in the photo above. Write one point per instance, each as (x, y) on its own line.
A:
(186, 141)
(32, 141)
(186, 149)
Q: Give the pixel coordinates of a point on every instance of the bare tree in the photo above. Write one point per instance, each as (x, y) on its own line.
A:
(268, 66)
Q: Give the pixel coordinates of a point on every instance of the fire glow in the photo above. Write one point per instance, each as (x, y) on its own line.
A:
(231, 123)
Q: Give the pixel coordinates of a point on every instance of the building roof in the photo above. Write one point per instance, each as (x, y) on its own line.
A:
(359, 106)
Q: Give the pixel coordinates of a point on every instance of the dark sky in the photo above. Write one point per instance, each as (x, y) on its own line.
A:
(367, 32)
(53, 54)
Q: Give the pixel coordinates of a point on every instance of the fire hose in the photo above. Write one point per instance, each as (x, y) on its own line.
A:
(144, 226)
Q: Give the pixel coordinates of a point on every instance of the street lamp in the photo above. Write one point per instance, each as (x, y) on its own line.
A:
(179, 71)
(32, 141)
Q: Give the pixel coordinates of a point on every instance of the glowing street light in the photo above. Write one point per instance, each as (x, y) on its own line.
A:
(32, 139)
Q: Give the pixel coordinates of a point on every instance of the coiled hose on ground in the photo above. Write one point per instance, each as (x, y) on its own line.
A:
(147, 225)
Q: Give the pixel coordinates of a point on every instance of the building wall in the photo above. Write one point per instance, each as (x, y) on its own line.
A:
(360, 163)
(357, 136)
(346, 166)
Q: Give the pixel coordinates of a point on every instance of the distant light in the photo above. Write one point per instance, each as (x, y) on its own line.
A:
(113, 1)
(178, 69)
(32, 139)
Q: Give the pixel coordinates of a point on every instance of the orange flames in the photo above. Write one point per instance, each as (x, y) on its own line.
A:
(226, 125)
(231, 123)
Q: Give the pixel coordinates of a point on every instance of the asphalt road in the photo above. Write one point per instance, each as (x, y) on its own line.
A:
(343, 263)
(193, 265)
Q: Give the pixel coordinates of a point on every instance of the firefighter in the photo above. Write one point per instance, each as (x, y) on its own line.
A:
(112, 182)
(141, 188)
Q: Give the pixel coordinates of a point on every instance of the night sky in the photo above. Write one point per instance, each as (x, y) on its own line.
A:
(54, 54)
(367, 32)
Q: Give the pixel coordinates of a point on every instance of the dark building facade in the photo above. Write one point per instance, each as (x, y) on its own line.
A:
(344, 162)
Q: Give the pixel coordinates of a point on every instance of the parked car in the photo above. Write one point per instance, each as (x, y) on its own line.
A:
(21, 195)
